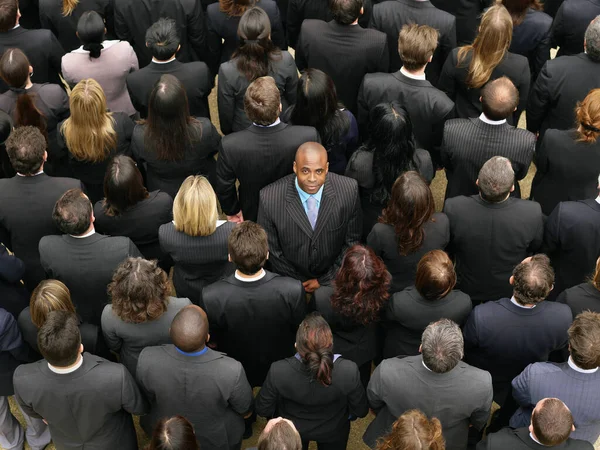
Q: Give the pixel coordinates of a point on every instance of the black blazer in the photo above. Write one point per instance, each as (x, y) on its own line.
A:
(195, 77)
(391, 16)
(469, 143)
(567, 170)
(560, 85)
(295, 249)
(255, 322)
(13, 351)
(509, 231)
(453, 82)
(345, 52)
(531, 38)
(256, 157)
(85, 266)
(134, 17)
(26, 205)
(571, 20)
(13, 295)
(520, 439)
(551, 7)
(468, 15)
(581, 297)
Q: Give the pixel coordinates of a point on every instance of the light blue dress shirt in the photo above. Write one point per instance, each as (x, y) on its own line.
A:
(304, 196)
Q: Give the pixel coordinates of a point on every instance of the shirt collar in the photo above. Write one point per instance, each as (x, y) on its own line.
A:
(88, 234)
(65, 371)
(156, 61)
(335, 356)
(201, 352)
(576, 368)
(34, 175)
(598, 199)
(535, 440)
(260, 276)
(277, 122)
(483, 118)
(407, 74)
(16, 26)
(515, 302)
(304, 195)
(425, 365)
(105, 45)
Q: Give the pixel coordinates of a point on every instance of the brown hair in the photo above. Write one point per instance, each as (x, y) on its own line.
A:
(123, 186)
(262, 101)
(25, 147)
(533, 280)
(518, 8)
(68, 6)
(139, 290)
(584, 340)
(436, 276)
(173, 433)
(410, 207)
(413, 431)
(49, 295)
(248, 247)
(281, 435)
(552, 422)
(595, 279)
(587, 115)
(314, 343)
(416, 44)
(9, 10)
(235, 8)
(499, 98)
(489, 47)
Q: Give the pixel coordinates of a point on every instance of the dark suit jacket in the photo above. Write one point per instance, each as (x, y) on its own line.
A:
(255, 322)
(134, 17)
(458, 398)
(256, 157)
(89, 408)
(519, 439)
(177, 384)
(469, 143)
(571, 20)
(298, 251)
(195, 77)
(85, 266)
(560, 85)
(581, 297)
(13, 351)
(531, 38)
(26, 205)
(551, 6)
(508, 231)
(13, 295)
(468, 15)
(345, 52)
(391, 16)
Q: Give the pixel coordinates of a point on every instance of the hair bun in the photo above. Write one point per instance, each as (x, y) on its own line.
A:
(94, 48)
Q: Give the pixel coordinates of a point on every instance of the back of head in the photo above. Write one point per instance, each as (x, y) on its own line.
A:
(345, 12)
(518, 8)
(416, 45)
(59, 339)
(6, 126)
(26, 147)
(255, 46)
(162, 39)
(90, 30)
(189, 329)
(248, 247)
(48, 296)
(316, 101)
(314, 343)
(533, 280)
(123, 185)
(175, 433)
(435, 275)
(496, 179)
(584, 340)
(592, 40)
(552, 422)
(587, 115)
(195, 207)
(279, 434)
(9, 11)
(499, 98)
(73, 212)
(442, 346)
(262, 101)
(414, 431)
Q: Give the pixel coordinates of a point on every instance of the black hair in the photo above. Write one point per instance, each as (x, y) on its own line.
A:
(162, 39)
(90, 30)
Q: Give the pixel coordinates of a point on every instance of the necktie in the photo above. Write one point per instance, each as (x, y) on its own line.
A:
(311, 211)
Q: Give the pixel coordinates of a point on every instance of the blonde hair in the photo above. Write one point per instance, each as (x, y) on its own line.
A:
(195, 207)
(588, 117)
(413, 431)
(48, 296)
(89, 132)
(489, 47)
(68, 7)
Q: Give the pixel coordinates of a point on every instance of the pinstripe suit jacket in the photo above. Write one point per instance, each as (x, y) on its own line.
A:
(469, 143)
(298, 251)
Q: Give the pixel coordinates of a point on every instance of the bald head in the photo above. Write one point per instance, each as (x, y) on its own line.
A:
(551, 422)
(311, 150)
(311, 167)
(189, 329)
(499, 98)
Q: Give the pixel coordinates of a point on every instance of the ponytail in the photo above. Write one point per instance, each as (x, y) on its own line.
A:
(320, 364)
(314, 342)
(27, 114)
(94, 48)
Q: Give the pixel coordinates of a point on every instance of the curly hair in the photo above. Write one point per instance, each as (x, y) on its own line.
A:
(361, 286)
(413, 430)
(139, 291)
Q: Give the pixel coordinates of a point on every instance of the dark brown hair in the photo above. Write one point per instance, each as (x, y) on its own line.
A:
(248, 247)
(72, 212)
(262, 101)
(173, 433)
(416, 44)
(59, 339)
(533, 280)
(412, 431)
(518, 8)
(345, 12)
(235, 8)
(8, 14)
(436, 276)
(361, 286)
(123, 185)
(139, 291)
(587, 115)
(25, 147)
(314, 343)
(584, 340)
(552, 422)
(410, 207)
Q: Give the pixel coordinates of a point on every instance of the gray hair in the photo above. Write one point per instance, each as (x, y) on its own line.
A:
(496, 179)
(442, 346)
(592, 39)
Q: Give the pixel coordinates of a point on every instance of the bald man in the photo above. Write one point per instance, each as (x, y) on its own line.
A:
(311, 218)
(188, 378)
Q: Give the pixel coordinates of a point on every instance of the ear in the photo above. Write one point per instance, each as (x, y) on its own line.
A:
(30, 70)
(208, 337)
(178, 48)
(420, 348)
(280, 107)
(512, 188)
(267, 255)
(45, 156)
(477, 182)
(430, 59)
(480, 100)
(81, 348)
(511, 280)
(77, 33)
(362, 11)
(228, 257)
(295, 169)
(147, 44)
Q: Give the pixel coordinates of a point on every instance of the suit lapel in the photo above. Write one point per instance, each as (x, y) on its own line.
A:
(325, 208)
(295, 209)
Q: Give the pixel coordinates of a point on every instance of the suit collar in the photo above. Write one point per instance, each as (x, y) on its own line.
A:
(481, 124)
(421, 4)
(209, 356)
(523, 435)
(344, 28)
(298, 214)
(592, 203)
(89, 362)
(413, 82)
(166, 67)
(267, 130)
(83, 241)
(17, 30)
(231, 279)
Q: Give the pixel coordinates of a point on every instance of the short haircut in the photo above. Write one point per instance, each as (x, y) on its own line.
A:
(496, 179)
(442, 346)
(195, 207)
(584, 340)
(8, 14)
(436, 276)
(262, 100)
(592, 39)
(59, 339)
(416, 44)
(25, 147)
(73, 212)
(162, 39)
(248, 247)
(499, 98)
(533, 280)
(48, 296)
(189, 329)
(123, 185)
(345, 12)
(552, 422)
(279, 436)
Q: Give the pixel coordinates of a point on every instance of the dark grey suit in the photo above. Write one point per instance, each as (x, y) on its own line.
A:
(520, 439)
(298, 251)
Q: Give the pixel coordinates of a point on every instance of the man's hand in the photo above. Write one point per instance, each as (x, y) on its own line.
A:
(237, 218)
(311, 285)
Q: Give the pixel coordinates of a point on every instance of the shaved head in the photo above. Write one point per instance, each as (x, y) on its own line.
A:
(311, 167)
(311, 149)
(189, 329)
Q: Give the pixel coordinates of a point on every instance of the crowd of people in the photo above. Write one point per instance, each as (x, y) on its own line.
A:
(313, 282)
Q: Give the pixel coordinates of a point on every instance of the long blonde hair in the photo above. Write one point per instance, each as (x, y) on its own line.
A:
(195, 207)
(68, 7)
(489, 47)
(89, 132)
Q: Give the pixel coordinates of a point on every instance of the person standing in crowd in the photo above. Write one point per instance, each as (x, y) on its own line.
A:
(468, 16)
(570, 23)
(279, 434)
(173, 433)
(584, 296)
(13, 294)
(413, 430)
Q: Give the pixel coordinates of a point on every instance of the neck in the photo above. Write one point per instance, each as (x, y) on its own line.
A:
(72, 365)
(501, 201)
(243, 275)
(28, 83)
(355, 22)
(417, 72)
(165, 60)
(89, 230)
